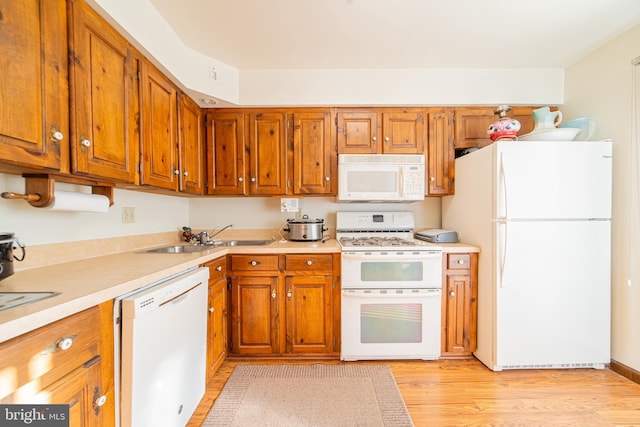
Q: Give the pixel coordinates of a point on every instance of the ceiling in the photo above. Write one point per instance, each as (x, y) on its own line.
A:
(292, 34)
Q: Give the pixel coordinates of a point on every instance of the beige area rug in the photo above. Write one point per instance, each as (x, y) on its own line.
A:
(310, 395)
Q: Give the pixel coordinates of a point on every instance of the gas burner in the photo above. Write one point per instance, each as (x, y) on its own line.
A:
(375, 241)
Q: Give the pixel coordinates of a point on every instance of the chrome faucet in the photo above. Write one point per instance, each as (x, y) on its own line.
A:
(220, 230)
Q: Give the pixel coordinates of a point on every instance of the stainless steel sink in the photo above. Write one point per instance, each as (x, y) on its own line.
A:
(178, 249)
(245, 242)
(13, 299)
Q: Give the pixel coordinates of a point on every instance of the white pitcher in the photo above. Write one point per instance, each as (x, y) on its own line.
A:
(545, 119)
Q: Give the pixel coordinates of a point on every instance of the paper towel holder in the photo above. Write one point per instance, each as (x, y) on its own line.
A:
(39, 191)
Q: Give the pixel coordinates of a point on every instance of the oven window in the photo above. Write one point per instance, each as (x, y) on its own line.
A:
(390, 323)
(391, 271)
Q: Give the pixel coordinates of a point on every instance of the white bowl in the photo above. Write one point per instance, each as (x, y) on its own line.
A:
(556, 134)
(586, 125)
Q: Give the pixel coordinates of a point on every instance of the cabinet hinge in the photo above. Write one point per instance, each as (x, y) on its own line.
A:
(229, 285)
(138, 75)
(139, 167)
(335, 120)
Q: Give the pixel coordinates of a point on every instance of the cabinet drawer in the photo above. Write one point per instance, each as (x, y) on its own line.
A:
(217, 269)
(309, 262)
(458, 261)
(48, 353)
(254, 262)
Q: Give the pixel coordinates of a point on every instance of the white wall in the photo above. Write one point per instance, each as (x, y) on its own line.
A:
(600, 86)
(37, 226)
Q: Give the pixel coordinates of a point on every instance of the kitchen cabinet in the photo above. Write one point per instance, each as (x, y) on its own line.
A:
(105, 107)
(217, 319)
(225, 132)
(471, 124)
(267, 153)
(283, 304)
(34, 130)
(191, 146)
(314, 156)
(459, 305)
(69, 361)
(388, 131)
(159, 148)
(440, 153)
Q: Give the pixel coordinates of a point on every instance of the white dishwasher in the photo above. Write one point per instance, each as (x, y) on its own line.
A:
(163, 351)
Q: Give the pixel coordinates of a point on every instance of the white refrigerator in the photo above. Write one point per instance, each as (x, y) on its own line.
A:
(541, 214)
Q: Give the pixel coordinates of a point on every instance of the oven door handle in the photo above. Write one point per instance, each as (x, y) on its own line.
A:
(424, 293)
(388, 256)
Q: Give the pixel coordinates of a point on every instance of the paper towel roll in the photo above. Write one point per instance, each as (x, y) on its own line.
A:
(79, 202)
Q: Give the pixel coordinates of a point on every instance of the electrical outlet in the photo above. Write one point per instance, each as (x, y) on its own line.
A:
(128, 215)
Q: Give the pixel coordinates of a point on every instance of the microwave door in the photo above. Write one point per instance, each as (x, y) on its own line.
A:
(369, 183)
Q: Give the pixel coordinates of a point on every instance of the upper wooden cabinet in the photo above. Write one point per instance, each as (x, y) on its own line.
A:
(225, 153)
(159, 151)
(104, 98)
(440, 153)
(192, 146)
(389, 131)
(34, 110)
(314, 156)
(471, 124)
(267, 153)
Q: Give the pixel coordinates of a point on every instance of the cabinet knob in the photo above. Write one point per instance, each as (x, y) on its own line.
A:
(240, 179)
(386, 138)
(433, 178)
(310, 262)
(57, 135)
(253, 179)
(100, 401)
(289, 294)
(212, 309)
(219, 268)
(374, 139)
(452, 293)
(326, 178)
(254, 262)
(85, 143)
(460, 261)
(273, 294)
(176, 172)
(64, 343)
(185, 173)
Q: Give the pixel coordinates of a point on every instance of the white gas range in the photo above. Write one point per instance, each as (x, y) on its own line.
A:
(391, 288)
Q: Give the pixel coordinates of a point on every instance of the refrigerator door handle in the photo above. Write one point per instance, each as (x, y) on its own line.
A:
(503, 204)
(502, 228)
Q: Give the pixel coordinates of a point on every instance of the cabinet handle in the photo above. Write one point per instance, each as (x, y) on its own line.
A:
(64, 343)
(240, 179)
(254, 262)
(433, 178)
(219, 268)
(460, 261)
(85, 143)
(273, 294)
(326, 178)
(310, 262)
(57, 135)
(185, 173)
(452, 293)
(289, 294)
(176, 172)
(212, 309)
(253, 179)
(374, 139)
(386, 138)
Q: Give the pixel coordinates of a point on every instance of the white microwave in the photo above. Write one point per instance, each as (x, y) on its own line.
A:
(381, 177)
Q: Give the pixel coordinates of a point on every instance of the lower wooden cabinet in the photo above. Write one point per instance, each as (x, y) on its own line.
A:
(283, 304)
(459, 305)
(217, 320)
(69, 361)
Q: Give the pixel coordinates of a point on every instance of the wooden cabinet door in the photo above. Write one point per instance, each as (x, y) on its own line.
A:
(80, 389)
(191, 156)
(159, 130)
(314, 159)
(309, 314)
(217, 330)
(403, 132)
(35, 105)
(254, 314)
(440, 153)
(358, 132)
(268, 154)
(104, 99)
(226, 154)
(459, 305)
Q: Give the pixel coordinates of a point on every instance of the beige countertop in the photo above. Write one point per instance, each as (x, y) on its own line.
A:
(85, 283)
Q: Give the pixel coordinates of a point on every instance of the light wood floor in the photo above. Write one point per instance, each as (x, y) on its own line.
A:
(464, 392)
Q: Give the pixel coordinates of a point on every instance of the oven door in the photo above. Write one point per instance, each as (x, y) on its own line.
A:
(390, 324)
(402, 269)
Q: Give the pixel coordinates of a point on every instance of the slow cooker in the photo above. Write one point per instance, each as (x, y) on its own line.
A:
(7, 244)
(305, 229)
